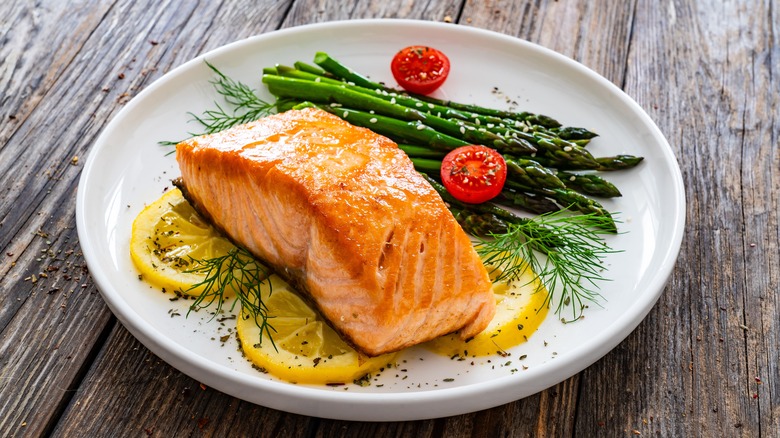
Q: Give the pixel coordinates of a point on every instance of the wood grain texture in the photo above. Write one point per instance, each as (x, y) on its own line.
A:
(704, 369)
(703, 363)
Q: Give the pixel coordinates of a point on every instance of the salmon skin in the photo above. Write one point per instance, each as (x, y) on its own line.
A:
(340, 212)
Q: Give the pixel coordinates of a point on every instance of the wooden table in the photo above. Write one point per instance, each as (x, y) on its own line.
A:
(705, 362)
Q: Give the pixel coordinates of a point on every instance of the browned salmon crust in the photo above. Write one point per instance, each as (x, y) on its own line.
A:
(340, 212)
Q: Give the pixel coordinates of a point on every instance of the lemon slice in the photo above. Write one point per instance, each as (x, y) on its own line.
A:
(166, 236)
(305, 349)
(521, 306)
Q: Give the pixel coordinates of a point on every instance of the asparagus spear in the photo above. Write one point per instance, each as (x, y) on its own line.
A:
(286, 71)
(572, 133)
(589, 184)
(559, 150)
(398, 130)
(338, 69)
(415, 151)
(479, 224)
(529, 202)
(531, 174)
(321, 92)
(617, 162)
(572, 200)
(309, 68)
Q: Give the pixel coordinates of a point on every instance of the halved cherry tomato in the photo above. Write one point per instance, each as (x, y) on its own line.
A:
(420, 69)
(473, 174)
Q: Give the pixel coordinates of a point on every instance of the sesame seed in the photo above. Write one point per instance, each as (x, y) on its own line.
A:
(344, 116)
(317, 79)
(392, 100)
(418, 104)
(572, 178)
(335, 105)
(462, 130)
(420, 127)
(567, 149)
(373, 120)
(431, 106)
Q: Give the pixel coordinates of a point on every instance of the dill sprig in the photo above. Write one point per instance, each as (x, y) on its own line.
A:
(246, 105)
(239, 273)
(566, 252)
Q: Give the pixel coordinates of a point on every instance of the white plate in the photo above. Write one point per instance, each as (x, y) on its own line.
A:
(127, 168)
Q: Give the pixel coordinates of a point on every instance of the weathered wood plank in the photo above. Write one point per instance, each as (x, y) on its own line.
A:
(703, 363)
(691, 368)
(148, 397)
(597, 35)
(318, 11)
(593, 33)
(540, 413)
(35, 50)
(48, 300)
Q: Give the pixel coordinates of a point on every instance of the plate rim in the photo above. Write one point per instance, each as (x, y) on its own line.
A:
(307, 399)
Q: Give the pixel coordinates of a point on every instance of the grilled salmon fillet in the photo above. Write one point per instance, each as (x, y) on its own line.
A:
(340, 212)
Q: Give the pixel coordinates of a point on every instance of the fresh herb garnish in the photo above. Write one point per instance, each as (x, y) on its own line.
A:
(239, 273)
(246, 106)
(565, 251)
